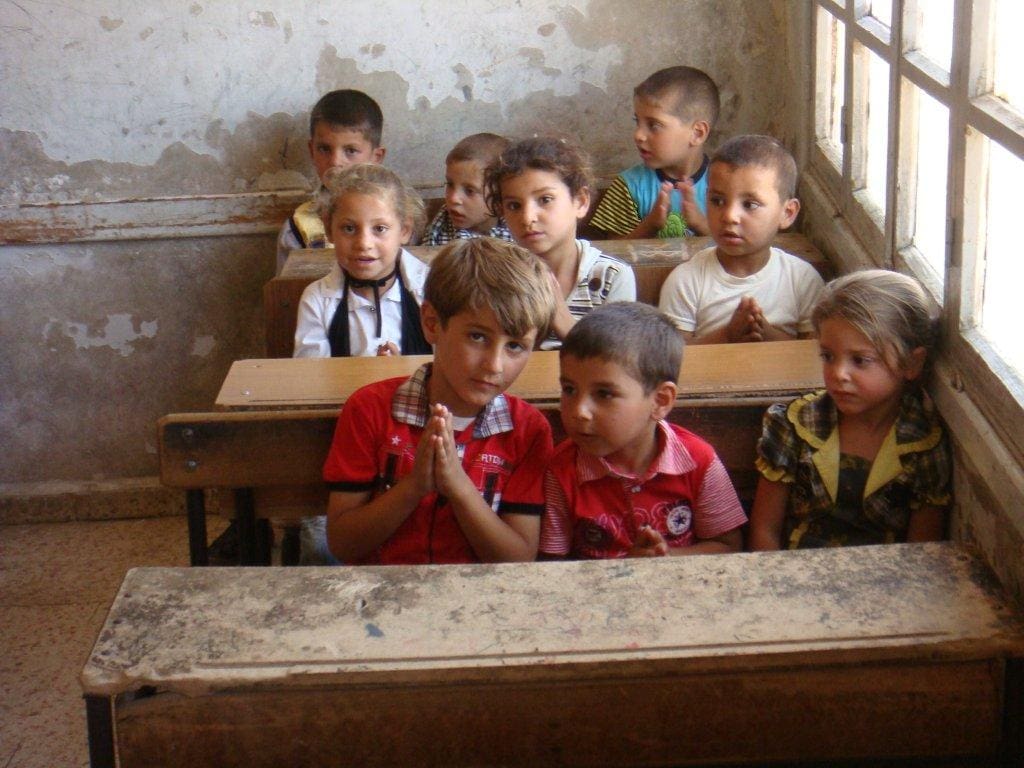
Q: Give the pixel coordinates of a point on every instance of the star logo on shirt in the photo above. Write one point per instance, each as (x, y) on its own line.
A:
(396, 440)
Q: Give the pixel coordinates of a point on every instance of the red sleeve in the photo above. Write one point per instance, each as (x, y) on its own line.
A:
(351, 463)
(524, 492)
(556, 528)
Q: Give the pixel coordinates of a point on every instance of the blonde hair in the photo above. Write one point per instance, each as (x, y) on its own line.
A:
(374, 181)
(469, 275)
(890, 309)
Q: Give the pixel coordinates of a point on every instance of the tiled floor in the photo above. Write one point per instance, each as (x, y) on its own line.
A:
(57, 581)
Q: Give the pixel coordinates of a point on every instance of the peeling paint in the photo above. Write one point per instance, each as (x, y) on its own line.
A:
(195, 9)
(119, 333)
(263, 19)
(202, 346)
(110, 24)
(546, 30)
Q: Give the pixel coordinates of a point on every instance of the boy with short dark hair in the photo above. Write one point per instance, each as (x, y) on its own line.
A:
(442, 467)
(344, 129)
(675, 110)
(465, 213)
(744, 289)
(627, 483)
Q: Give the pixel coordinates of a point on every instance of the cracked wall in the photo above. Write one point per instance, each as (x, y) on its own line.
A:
(117, 105)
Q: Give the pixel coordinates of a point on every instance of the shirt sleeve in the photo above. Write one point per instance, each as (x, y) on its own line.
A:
(434, 234)
(623, 286)
(617, 212)
(718, 509)
(932, 471)
(678, 298)
(524, 492)
(811, 286)
(556, 525)
(777, 448)
(313, 319)
(351, 463)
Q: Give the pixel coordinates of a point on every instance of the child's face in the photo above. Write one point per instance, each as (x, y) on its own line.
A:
(367, 235)
(860, 380)
(464, 196)
(333, 147)
(541, 213)
(745, 211)
(664, 140)
(475, 359)
(606, 412)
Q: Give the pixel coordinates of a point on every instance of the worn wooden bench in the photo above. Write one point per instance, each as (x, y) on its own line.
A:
(652, 260)
(860, 654)
(268, 444)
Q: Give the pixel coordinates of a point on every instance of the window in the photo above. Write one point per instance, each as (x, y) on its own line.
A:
(919, 138)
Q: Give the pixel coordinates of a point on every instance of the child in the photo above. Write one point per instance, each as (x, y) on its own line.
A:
(866, 461)
(442, 467)
(664, 196)
(627, 483)
(465, 213)
(743, 289)
(370, 214)
(542, 187)
(344, 129)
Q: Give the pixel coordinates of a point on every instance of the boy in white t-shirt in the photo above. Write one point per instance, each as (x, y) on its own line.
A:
(743, 289)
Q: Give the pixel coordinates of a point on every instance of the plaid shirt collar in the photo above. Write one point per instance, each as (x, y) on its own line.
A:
(816, 418)
(672, 459)
(411, 405)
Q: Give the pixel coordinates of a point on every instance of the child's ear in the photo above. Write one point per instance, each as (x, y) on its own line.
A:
(581, 201)
(406, 232)
(790, 208)
(430, 321)
(664, 396)
(700, 130)
(915, 363)
(378, 154)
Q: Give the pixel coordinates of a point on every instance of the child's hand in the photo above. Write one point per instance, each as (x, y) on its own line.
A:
(422, 474)
(744, 324)
(695, 220)
(658, 215)
(648, 543)
(448, 471)
(388, 348)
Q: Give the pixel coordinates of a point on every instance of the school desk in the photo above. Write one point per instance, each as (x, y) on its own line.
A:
(708, 370)
(896, 651)
(651, 260)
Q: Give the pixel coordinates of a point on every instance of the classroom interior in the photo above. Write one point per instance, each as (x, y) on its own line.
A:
(149, 154)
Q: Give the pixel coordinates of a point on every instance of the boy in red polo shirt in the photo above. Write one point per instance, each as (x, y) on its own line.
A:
(627, 483)
(443, 467)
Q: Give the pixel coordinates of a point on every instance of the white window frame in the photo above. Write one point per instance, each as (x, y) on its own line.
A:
(994, 386)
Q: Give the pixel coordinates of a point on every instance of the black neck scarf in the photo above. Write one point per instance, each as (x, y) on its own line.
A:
(413, 341)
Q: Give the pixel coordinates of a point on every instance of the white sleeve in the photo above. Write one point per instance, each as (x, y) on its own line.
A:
(810, 286)
(678, 299)
(312, 323)
(623, 287)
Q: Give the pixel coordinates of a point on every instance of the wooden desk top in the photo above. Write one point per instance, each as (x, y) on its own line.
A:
(716, 370)
(197, 630)
(311, 264)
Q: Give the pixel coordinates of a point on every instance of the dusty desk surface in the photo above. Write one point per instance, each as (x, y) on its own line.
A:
(884, 651)
(313, 263)
(723, 370)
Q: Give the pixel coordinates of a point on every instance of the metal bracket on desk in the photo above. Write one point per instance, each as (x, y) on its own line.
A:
(99, 720)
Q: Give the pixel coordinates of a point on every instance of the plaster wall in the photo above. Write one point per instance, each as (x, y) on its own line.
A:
(150, 151)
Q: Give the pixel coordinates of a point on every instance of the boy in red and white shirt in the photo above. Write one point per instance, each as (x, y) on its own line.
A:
(627, 483)
(443, 467)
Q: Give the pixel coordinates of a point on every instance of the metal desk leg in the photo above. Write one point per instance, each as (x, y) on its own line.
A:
(195, 502)
(100, 723)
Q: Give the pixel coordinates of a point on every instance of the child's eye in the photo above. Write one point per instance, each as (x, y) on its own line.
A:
(511, 205)
(515, 347)
(751, 205)
(862, 360)
(351, 151)
(348, 229)
(826, 357)
(568, 390)
(715, 200)
(477, 336)
(380, 229)
(545, 199)
(469, 191)
(605, 394)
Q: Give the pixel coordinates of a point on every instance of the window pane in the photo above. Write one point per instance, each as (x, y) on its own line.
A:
(882, 10)
(932, 162)
(1004, 267)
(935, 31)
(876, 148)
(830, 84)
(1009, 53)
